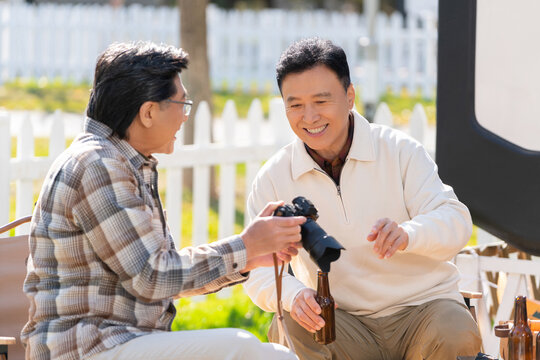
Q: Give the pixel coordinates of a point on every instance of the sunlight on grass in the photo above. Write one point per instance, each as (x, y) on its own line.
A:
(44, 95)
(213, 312)
(401, 106)
(48, 96)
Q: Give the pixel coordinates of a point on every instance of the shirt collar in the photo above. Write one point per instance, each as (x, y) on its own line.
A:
(136, 159)
(362, 148)
(342, 155)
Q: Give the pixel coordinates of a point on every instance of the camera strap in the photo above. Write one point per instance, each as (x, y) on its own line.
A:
(282, 327)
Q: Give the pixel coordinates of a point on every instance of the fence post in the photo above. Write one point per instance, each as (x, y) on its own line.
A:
(414, 50)
(227, 175)
(418, 124)
(397, 42)
(430, 66)
(173, 197)
(4, 41)
(5, 156)
(24, 185)
(201, 177)
(383, 115)
(255, 119)
(227, 181)
(278, 119)
(57, 139)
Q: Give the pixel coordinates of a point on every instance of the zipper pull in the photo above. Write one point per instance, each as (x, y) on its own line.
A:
(338, 190)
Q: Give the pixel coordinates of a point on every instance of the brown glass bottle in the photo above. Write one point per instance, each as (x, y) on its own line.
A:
(327, 333)
(538, 346)
(520, 338)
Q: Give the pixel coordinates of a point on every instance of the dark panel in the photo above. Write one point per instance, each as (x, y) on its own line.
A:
(498, 180)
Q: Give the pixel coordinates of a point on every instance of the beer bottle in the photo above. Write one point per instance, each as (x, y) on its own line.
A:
(520, 338)
(538, 346)
(327, 333)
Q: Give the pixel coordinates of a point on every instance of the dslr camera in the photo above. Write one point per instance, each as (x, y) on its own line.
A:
(322, 248)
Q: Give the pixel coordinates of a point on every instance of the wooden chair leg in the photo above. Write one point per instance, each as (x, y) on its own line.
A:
(4, 342)
(3, 352)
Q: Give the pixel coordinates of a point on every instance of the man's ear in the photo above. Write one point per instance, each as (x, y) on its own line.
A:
(351, 95)
(148, 113)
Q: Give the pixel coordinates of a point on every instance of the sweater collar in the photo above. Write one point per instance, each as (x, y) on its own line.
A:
(362, 148)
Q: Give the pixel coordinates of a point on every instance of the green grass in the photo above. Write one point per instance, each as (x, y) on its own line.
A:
(241, 100)
(44, 95)
(48, 96)
(236, 311)
(401, 106)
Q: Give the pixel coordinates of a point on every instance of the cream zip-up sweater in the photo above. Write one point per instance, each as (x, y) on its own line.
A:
(386, 174)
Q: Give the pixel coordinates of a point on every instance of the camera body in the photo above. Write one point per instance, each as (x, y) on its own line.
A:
(322, 248)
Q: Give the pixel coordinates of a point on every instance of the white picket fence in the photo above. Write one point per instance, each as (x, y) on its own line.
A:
(51, 40)
(250, 141)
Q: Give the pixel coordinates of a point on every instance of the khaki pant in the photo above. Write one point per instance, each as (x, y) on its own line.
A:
(218, 344)
(438, 330)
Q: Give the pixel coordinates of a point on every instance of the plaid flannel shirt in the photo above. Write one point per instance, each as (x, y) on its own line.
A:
(103, 268)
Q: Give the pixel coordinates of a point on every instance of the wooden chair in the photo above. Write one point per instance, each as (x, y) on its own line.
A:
(468, 296)
(13, 302)
(490, 262)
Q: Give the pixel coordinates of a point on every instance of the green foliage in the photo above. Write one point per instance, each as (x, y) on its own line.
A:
(242, 101)
(402, 105)
(70, 97)
(48, 96)
(236, 311)
(45, 95)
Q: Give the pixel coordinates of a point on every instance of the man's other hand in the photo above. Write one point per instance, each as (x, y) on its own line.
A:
(305, 310)
(268, 234)
(388, 237)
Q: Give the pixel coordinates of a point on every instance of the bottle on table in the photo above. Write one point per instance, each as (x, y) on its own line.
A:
(538, 346)
(327, 333)
(520, 338)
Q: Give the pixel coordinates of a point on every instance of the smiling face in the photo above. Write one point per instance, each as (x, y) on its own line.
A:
(318, 107)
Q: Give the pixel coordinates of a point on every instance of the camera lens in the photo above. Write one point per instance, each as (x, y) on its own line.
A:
(322, 248)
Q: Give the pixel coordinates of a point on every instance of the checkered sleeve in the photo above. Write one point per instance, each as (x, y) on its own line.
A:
(113, 214)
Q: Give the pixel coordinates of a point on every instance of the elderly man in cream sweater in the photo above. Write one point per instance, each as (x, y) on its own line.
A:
(378, 193)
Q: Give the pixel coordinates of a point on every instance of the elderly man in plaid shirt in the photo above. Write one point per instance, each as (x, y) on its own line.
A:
(103, 269)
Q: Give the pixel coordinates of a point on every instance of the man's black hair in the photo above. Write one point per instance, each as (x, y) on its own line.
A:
(129, 74)
(308, 53)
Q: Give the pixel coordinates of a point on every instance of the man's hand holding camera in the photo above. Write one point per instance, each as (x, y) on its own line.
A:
(268, 234)
(388, 237)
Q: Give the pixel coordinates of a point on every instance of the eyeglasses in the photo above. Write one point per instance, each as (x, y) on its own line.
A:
(187, 105)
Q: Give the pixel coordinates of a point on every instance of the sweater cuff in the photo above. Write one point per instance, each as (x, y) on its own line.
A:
(289, 293)
(234, 254)
(410, 229)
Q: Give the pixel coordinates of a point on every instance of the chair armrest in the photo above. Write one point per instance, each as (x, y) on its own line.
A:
(7, 340)
(15, 223)
(471, 294)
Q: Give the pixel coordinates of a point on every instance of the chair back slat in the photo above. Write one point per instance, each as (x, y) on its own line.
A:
(13, 303)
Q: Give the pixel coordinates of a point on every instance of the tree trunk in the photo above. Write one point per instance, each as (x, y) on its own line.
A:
(197, 77)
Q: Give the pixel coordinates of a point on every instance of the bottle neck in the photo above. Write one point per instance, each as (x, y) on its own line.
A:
(520, 310)
(323, 287)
